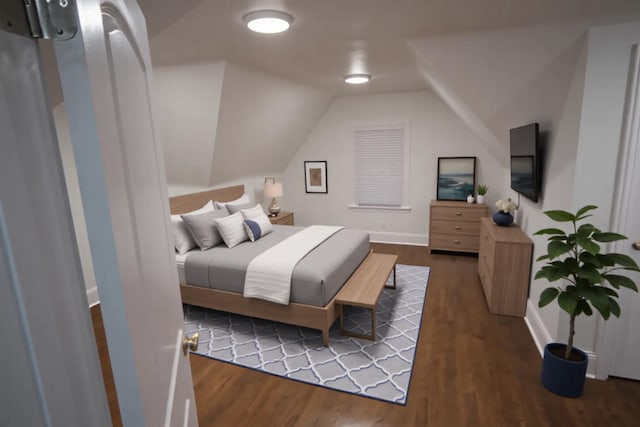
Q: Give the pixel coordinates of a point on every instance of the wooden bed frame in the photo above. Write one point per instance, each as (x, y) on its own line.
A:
(295, 314)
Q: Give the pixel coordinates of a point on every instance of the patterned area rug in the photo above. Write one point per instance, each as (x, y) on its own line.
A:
(378, 369)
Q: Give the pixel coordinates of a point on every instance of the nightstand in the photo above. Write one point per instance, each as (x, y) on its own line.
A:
(283, 218)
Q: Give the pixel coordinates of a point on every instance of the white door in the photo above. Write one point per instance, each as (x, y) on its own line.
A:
(49, 368)
(106, 78)
(625, 349)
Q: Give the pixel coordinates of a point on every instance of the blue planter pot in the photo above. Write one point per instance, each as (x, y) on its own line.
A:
(502, 218)
(563, 377)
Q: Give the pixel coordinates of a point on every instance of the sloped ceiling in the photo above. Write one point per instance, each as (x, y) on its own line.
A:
(498, 80)
(263, 120)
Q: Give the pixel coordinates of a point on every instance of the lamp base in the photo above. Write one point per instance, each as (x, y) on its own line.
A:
(274, 208)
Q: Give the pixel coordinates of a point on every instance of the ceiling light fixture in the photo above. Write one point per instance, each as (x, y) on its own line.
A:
(267, 21)
(357, 79)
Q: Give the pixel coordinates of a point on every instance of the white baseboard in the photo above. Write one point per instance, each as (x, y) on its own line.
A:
(92, 296)
(399, 238)
(538, 331)
(542, 337)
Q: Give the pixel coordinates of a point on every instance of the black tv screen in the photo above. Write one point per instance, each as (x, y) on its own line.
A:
(525, 160)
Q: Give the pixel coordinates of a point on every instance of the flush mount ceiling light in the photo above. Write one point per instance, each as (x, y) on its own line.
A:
(357, 79)
(267, 21)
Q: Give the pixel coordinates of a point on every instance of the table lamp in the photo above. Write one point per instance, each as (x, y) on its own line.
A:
(273, 189)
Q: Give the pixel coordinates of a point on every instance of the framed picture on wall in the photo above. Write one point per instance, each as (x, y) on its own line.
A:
(315, 176)
(456, 177)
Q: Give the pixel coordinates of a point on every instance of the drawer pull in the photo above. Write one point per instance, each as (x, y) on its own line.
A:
(457, 227)
(456, 241)
(458, 213)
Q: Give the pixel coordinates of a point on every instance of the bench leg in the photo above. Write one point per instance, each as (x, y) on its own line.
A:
(325, 337)
(343, 331)
(394, 279)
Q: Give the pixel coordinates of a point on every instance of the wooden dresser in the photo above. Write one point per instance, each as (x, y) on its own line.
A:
(504, 266)
(455, 226)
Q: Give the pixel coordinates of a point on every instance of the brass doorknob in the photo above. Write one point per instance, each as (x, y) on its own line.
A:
(636, 245)
(190, 343)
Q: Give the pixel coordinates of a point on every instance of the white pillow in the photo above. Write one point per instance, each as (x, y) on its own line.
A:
(242, 200)
(231, 229)
(256, 223)
(181, 236)
(203, 229)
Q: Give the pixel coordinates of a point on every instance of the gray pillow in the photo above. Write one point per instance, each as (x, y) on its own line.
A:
(203, 228)
(237, 208)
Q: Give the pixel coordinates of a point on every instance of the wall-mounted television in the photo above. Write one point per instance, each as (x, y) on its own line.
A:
(525, 160)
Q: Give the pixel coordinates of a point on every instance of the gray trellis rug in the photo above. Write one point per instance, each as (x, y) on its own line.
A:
(379, 370)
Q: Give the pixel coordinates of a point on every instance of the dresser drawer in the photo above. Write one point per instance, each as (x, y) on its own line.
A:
(463, 242)
(439, 226)
(462, 213)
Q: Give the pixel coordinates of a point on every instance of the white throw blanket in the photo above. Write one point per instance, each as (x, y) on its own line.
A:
(269, 274)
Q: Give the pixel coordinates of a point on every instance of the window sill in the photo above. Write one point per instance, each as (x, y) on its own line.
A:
(379, 208)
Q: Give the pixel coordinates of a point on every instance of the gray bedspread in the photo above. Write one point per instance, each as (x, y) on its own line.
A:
(316, 278)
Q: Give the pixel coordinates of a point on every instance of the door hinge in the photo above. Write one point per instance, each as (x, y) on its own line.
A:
(40, 19)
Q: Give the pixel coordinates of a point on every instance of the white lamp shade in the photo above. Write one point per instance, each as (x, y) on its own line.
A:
(273, 190)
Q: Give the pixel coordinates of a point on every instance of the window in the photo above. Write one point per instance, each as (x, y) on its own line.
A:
(381, 166)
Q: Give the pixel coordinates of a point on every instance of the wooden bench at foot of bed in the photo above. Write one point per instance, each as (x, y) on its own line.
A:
(364, 287)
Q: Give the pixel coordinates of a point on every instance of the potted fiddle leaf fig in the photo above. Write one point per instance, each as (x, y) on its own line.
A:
(589, 282)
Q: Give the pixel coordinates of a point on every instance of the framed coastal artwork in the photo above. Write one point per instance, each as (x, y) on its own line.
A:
(315, 176)
(456, 177)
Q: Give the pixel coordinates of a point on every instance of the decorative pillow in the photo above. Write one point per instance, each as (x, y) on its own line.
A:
(256, 223)
(237, 208)
(181, 235)
(232, 229)
(203, 228)
(242, 200)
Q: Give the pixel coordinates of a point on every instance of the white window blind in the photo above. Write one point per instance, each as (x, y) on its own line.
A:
(380, 169)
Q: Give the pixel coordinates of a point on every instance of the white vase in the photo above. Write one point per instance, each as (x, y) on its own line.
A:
(470, 199)
(480, 198)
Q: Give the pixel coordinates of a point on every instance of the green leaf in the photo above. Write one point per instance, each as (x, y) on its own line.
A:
(558, 238)
(624, 261)
(610, 291)
(549, 231)
(547, 296)
(586, 308)
(587, 258)
(614, 308)
(552, 272)
(543, 257)
(567, 302)
(590, 273)
(584, 210)
(606, 259)
(588, 245)
(607, 237)
(618, 281)
(585, 230)
(556, 248)
(599, 299)
(560, 216)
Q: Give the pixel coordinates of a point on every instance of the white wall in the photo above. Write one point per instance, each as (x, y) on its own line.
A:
(434, 131)
(73, 190)
(187, 104)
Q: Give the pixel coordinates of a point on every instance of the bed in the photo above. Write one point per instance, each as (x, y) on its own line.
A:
(214, 278)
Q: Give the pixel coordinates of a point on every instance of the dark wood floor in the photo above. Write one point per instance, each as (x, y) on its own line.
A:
(472, 368)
